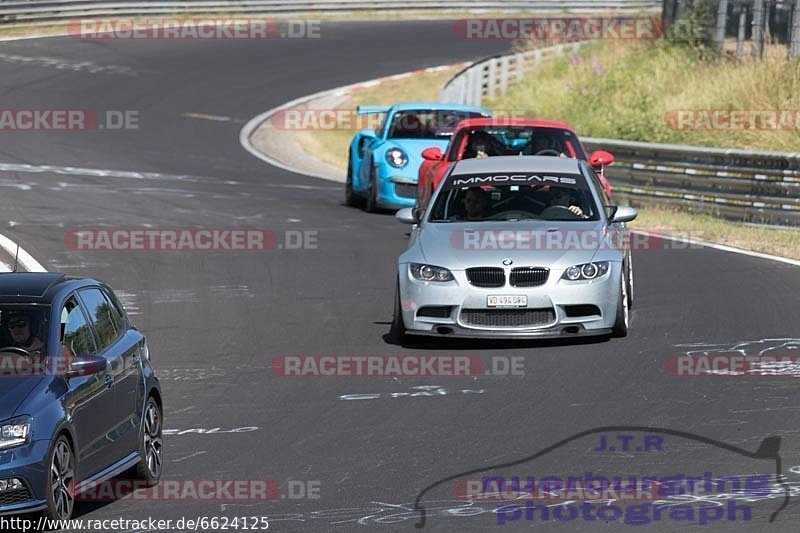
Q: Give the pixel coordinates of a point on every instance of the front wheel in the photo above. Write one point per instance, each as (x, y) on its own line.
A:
(372, 194)
(398, 331)
(150, 445)
(350, 197)
(60, 481)
(622, 321)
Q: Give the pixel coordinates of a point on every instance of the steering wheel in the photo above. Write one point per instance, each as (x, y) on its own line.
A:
(548, 151)
(558, 212)
(17, 350)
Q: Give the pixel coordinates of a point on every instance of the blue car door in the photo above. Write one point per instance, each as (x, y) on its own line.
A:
(121, 350)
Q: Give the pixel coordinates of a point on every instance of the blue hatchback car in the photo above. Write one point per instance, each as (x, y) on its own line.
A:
(79, 401)
(383, 164)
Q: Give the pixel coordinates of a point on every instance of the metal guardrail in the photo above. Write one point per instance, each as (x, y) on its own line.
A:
(492, 76)
(38, 12)
(762, 187)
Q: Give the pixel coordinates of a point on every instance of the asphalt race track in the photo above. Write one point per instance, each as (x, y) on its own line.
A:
(215, 320)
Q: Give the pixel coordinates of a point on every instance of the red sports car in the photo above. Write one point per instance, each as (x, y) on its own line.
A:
(486, 137)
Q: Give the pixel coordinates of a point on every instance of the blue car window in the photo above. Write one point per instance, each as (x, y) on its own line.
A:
(101, 316)
(77, 338)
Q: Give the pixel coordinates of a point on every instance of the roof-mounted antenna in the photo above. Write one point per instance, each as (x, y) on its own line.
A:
(16, 257)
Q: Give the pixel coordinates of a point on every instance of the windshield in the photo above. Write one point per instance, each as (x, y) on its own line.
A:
(514, 140)
(563, 198)
(426, 124)
(24, 326)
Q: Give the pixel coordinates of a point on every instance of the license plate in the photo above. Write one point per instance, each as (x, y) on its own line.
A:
(508, 301)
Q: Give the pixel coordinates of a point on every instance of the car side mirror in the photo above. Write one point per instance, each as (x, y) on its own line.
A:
(600, 159)
(433, 153)
(409, 215)
(623, 214)
(85, 365)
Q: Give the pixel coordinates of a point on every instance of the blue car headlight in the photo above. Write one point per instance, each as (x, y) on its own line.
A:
(396, 157)
(15, 432)
(586, 271)
(430, 273)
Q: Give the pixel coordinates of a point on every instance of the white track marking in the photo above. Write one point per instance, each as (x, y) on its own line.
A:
(25, 259)
(247, 131)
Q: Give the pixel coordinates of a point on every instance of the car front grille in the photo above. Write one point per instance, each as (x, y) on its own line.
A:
(405, 190)
(486, 276)
(13, 497)
(529, 276)
(508, 317)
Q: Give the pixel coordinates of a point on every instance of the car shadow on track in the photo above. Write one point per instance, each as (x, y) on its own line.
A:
(454, 343)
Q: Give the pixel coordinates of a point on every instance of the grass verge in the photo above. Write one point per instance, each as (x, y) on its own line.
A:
(634, 91)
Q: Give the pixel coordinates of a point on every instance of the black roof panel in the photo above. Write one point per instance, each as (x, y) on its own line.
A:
(31, 284)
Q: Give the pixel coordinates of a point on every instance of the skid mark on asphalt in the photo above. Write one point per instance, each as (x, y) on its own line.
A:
(65, 64)
(195, 454)
(103, 173)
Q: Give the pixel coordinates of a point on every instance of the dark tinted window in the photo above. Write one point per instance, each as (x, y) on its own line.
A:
(77, 338)
(488, 141)
(101, 316)
(116, 313)
(426, 124)
(562, 198)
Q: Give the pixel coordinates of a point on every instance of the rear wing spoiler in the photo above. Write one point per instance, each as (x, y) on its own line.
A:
(372, 109)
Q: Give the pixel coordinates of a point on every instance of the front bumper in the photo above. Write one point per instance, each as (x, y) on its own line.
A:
(397, 192)
(568, 309)
(27, 463)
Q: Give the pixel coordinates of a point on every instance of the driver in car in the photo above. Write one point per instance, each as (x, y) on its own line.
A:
(476, 203)
(20, 330)
(545, 145)
(481, 144)
(561, 196)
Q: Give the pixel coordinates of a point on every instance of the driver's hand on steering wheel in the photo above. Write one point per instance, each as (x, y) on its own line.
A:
(577, 210)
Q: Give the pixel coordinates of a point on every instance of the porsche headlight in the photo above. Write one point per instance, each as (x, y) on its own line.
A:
(15, 432)
(397, 158)
(586, 271)
(430, 273)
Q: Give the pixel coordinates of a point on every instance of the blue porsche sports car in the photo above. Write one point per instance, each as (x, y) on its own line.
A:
(383, 164)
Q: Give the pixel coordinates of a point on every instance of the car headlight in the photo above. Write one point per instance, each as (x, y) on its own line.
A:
(15, 433)
(430, 273)
(586, 271)
(397, 158)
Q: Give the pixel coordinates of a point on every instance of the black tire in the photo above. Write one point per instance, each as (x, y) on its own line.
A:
(350, 197)
(398, 331)
(151, 445)
(622, 321)
(629, 281)
(371, 205)
(62, 465)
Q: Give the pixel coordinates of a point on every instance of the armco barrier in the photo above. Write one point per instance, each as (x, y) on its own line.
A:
(40, 12)
(762, 187)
